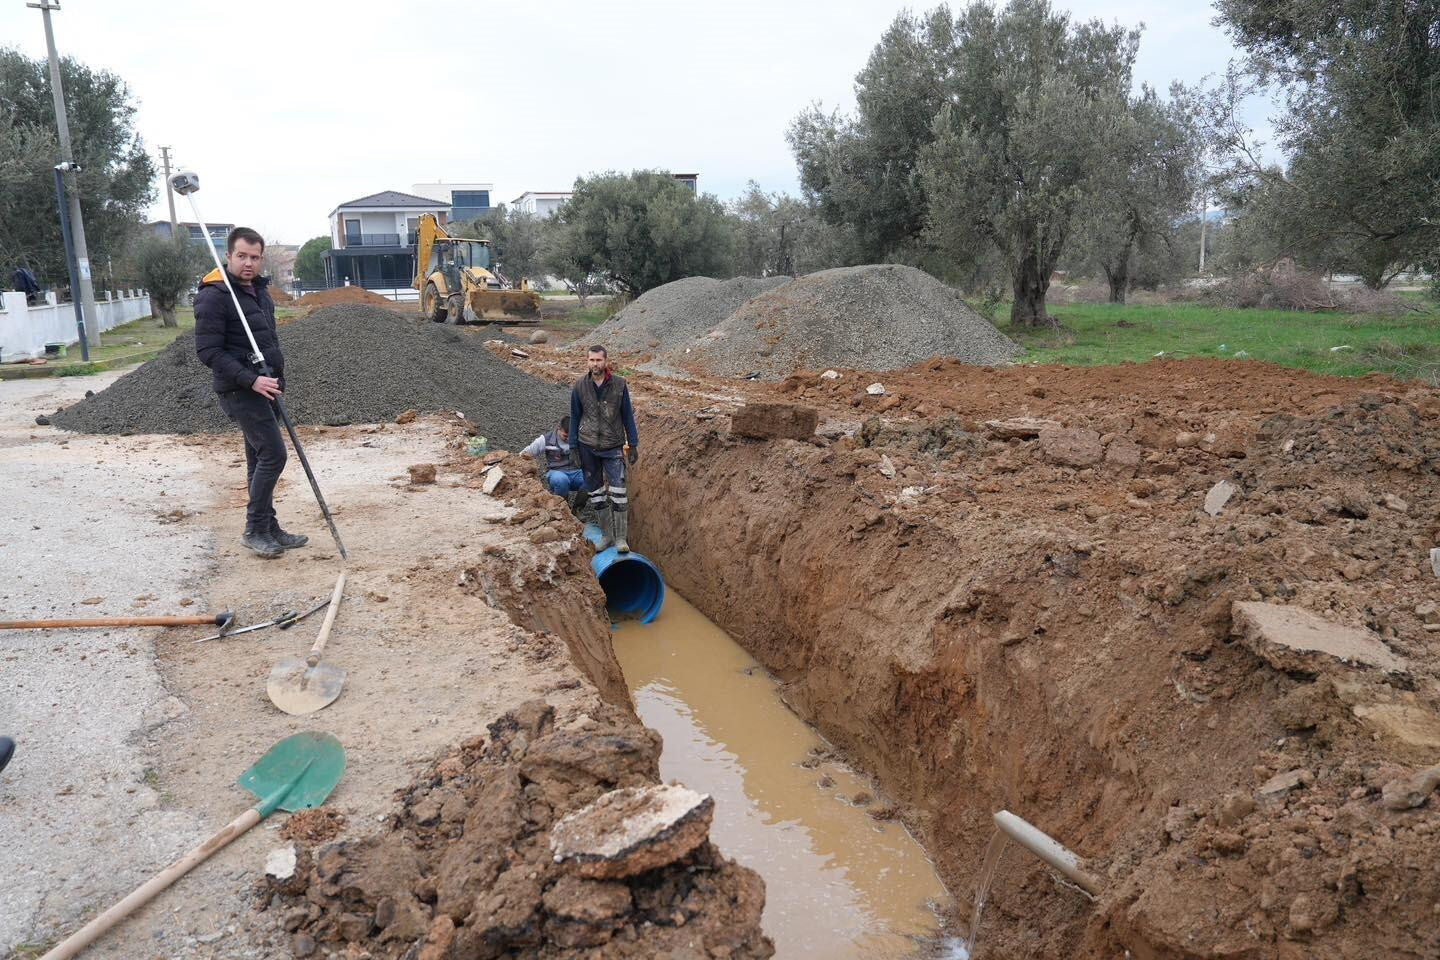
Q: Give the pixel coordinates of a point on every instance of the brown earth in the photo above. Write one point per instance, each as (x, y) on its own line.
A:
(464, 868)
(324, 298)
(1037, 617)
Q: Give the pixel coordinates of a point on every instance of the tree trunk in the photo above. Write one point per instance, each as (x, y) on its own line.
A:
(1032, 281)
(1119, 280)
(167, 316)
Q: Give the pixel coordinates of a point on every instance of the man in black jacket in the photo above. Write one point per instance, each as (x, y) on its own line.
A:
(245, 392)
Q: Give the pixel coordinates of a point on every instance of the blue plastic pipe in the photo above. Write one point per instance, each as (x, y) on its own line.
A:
(633, 585)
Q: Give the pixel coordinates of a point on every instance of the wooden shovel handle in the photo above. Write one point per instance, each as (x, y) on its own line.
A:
(330, 613)
(144, 893)
(106, 622)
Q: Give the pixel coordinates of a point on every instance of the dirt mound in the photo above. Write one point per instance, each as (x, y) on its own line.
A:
(872, 317)
(466, 868)
(675, 313)
(326, 298)
(279, 294)
(1025, 604)
(343, 364)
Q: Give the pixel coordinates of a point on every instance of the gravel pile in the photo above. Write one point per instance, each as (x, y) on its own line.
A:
(675, 313)
(878, 317)
(349, 363)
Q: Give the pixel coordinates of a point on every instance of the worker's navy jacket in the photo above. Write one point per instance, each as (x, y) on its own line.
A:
(220, 341)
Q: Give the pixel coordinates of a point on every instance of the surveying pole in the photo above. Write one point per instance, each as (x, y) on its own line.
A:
(170, 191)
(86, 290)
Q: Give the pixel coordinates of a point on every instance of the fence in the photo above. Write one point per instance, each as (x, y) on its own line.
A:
(24, 330)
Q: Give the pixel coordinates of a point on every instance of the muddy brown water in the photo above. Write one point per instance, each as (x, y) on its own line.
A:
(838, 883)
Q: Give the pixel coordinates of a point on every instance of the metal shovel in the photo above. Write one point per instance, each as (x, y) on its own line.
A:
(295, 774)
(304, 686)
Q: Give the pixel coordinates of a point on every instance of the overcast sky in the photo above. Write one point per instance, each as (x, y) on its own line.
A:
(287, 109)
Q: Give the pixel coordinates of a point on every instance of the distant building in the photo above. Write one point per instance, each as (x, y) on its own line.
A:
(691, 180)
(464, 201)
(280, 263)
(541, 203)
(218, 232)
(372, 238)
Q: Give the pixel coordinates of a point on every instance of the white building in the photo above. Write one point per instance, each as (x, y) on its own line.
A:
(372, 239)
(465, 201)
(541, 203)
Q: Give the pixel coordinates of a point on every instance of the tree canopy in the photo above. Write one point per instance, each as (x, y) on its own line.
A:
(310, 261)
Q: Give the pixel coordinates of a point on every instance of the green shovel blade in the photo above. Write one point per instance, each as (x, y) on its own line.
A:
(297, 773)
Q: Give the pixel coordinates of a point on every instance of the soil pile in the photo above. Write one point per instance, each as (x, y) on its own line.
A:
(465, 868)
(670, 315)
(343, 364)
(877, 317)
(279, 294)
(1032, 608)
(352, 294)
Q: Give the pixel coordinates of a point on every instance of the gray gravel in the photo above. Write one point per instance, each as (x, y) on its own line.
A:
(348, 363)
(878, 317)
(675, 313)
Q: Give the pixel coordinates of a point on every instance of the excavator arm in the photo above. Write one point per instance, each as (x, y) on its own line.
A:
(428, 231)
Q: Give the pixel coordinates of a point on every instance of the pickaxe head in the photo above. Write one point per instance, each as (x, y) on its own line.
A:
(185, 182)
(225, 619)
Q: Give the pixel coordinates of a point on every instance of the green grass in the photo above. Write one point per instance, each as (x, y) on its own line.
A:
(1406, 346)
(591, 315)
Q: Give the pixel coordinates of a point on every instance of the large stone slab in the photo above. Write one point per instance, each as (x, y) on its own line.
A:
(632, 830)
(1022, 428)
(768, 421)
(1295, 640)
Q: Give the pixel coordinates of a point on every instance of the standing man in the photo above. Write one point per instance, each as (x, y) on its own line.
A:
(600, 406)
(245, 394)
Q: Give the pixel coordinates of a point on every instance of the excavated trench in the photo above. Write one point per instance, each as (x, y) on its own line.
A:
(1084, 676)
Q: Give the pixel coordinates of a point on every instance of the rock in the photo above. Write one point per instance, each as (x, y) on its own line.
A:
(407, 416)
(354, 927)
(830, 375)
(1018, 428)
(1435, 561)
(521, 354)
(876, 389)
(1179, 821)
(42, 421)
(492, 478)
(1233, 809)
(887, 466)
(539, 336)
(1404, 793)
(767, 421)
(1391, 502)
(631, 830)
(1218, 496)
(280, 863)
(1122, 454)
(1411, 725)
(302, 944)
(1292, 639)
(1185, 440)
(422, 473)
(1428, 612)
(588, 901)
(1284, 782)
(1071, 448)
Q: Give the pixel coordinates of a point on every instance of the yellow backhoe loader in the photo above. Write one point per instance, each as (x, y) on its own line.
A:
(456, 285)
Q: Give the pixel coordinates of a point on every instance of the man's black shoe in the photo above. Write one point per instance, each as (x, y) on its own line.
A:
(262, 543)
(7, 749)
(287, 541)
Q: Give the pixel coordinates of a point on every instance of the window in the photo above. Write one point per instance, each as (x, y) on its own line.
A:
(470, 198)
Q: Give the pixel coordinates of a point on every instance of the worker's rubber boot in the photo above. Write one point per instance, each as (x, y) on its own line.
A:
(602, 520)
(287, 541)
(620, 524)
(7, 750)
(261, 542)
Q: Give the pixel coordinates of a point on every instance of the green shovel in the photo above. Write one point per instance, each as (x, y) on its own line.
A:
(297, 773)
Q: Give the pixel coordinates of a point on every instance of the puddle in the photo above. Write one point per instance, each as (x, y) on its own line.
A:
(838, 884)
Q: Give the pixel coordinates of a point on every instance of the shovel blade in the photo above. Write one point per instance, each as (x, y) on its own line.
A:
(298, 688)
(309, 763)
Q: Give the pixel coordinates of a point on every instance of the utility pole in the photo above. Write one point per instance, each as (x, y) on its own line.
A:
(67, 161)
(169, 192)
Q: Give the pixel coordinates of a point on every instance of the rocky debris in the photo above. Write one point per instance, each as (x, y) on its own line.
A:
(343, 364)
(343, 295)
(280, 862)
(1409, 724)
(464, 867)
(675, 313)
(1404, 793)
(421, 473)
(1295, 640)
(768, 421)
(630, 831)
(1218, 496)
(407, 416)
(876, 389)
(875, 317)
(1284, 782)
(1071, 448)
(1018, 428)
(539, 336)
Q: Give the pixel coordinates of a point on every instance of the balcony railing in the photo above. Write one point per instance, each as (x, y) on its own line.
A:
(372, 239)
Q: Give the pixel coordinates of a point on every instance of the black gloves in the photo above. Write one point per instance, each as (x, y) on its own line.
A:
(634, 455)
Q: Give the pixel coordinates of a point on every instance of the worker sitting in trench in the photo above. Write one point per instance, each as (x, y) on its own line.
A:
(559, 463)
(605, 427)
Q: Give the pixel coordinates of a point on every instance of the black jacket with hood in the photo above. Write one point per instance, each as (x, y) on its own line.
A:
(220, 339)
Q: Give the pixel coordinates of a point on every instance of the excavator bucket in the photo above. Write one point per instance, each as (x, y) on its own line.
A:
(506, 306)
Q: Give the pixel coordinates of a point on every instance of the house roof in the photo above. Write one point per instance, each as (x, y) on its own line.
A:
(544, 194)
(394, 198)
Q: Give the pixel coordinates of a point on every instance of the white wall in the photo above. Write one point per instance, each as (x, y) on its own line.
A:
(24, 330)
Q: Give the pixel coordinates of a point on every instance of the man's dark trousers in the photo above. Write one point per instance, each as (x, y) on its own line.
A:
(264, 453)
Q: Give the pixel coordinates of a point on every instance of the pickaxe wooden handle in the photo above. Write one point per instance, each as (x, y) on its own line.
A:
(222, 619)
